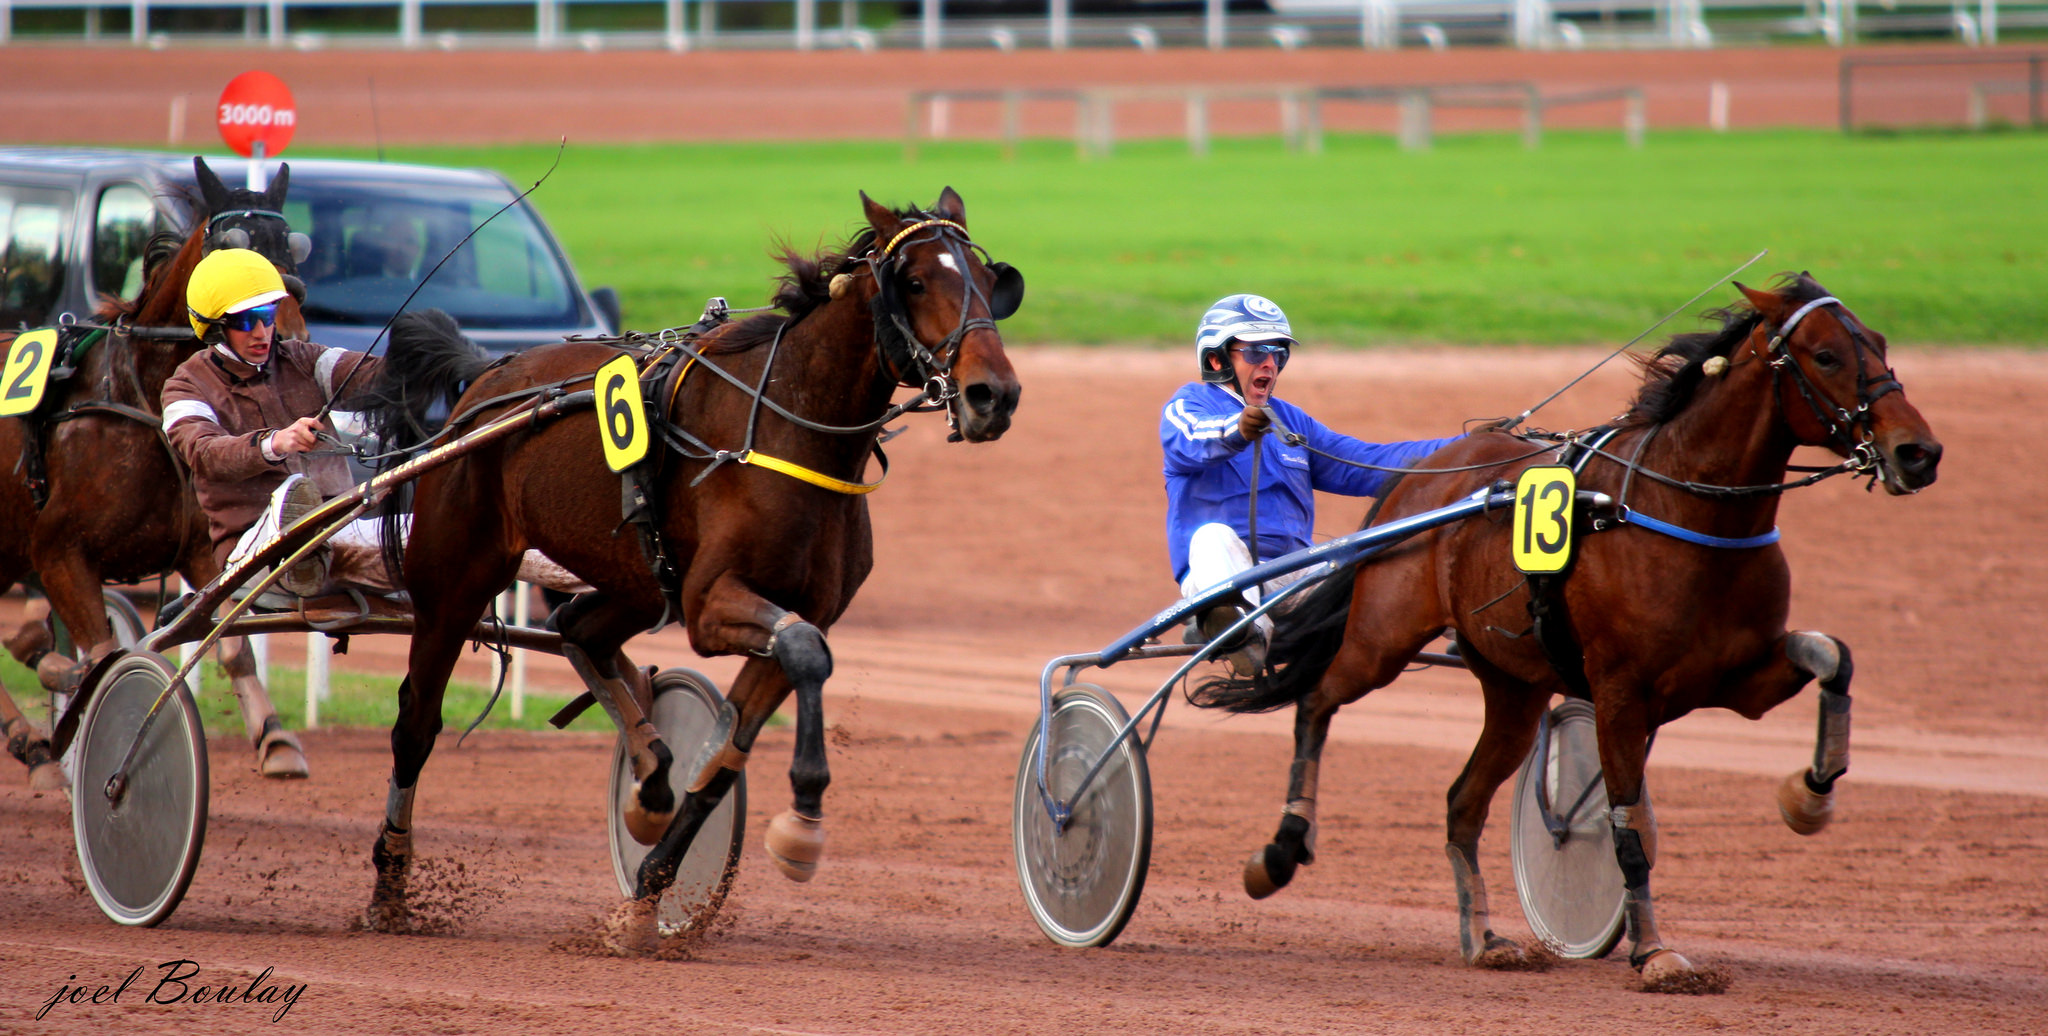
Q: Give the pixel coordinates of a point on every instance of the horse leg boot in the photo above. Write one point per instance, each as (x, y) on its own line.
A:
(30, 746)
(652, 805)
(1635, 848)
(1272, 866)
(1806, 800)
(796, 838)
(632, 929)
(392, 856)
(278, 753)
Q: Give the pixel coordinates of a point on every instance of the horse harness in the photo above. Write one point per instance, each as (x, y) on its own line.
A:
(75, 342)
(1549, 618)
(905, 357)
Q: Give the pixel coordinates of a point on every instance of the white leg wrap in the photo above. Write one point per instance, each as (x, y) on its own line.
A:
(1814, 652)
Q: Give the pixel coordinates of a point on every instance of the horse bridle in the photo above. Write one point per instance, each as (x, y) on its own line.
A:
(905, 356)
(1852, 430)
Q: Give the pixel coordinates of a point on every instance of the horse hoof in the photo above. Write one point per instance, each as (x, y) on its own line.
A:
(1667, 971)
(281, 757)
(630, 930)
(46, 777)
(1258, 879)
(645, 827)
(795, 842)
(1805, 811)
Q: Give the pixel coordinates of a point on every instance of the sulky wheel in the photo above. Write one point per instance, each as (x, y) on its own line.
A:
(139, 845)
(1570, 888)
(1082, 883)
(685, 711)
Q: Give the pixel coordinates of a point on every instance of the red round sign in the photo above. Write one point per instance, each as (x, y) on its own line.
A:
(257, 108)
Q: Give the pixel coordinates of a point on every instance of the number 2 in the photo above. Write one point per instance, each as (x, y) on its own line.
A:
(26, 360)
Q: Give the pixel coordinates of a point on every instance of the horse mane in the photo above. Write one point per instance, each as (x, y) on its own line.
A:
(1672, 374)
(159, 257)
(805, 285)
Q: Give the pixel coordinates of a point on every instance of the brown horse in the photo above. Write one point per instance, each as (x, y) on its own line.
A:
(117, 506)
(752, 526)
(1648, 625)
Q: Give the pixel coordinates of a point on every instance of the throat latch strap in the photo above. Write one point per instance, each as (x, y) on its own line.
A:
(1680, 532)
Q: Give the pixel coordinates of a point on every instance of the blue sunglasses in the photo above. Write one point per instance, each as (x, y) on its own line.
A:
(1256, 353)
(247, 319)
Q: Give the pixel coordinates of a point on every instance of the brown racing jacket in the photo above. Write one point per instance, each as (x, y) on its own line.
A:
(220, 411)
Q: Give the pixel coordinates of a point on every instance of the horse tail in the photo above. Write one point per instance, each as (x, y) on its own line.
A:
(1306, 637)
(427, 368)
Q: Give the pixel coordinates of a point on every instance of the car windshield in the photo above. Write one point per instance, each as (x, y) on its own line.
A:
(373, 242)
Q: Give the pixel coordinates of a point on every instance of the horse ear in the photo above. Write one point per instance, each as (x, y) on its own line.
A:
(211, 190)
(951, 207)
(1766, 302)
(879, 217)
(273, 198)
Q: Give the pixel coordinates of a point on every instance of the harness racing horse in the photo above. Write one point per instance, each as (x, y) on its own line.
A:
(1679, 605)
(112, 502)
(750, 522)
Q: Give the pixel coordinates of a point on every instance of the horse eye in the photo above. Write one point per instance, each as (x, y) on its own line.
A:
(915, 286)
(1827, 359)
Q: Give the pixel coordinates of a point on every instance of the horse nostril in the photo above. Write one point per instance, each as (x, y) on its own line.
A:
(1918, 458)
(980, 398)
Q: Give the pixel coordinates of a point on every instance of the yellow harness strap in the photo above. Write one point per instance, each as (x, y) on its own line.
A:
(798, 471)
(777, 464)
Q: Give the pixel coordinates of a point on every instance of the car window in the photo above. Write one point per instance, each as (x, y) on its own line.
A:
(374, 242)
(32, 225)
(121, 230)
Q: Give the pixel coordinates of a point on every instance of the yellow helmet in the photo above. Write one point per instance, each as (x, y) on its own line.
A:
(229, 280)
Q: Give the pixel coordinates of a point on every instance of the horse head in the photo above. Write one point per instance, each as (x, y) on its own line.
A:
(241, 218)
(1834, 386)
(936, 299)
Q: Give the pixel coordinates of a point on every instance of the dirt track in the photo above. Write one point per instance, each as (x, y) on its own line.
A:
(1920, 911)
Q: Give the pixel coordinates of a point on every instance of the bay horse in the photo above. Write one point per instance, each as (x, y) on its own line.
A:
(1647, 625)
(116, 505)
(753, 527)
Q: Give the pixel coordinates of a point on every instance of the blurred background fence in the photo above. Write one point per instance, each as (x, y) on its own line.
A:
(1014, 24)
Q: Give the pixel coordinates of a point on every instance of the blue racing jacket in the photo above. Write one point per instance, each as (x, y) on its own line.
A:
(1209, 471)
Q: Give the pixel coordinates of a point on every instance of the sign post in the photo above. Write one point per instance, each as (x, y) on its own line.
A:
(257, 117)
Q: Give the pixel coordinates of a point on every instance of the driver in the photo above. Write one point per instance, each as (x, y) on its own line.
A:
(240, 414)
(240, 411)
(1206, 432)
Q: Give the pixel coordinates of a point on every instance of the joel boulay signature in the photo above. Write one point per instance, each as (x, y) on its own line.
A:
(179, 985)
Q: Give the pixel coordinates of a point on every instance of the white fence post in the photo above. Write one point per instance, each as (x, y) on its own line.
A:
(138, 22)
(277, 23)
(1213, 27)
(1198, 124)
(1987, 22)
(522, 614)
(806, 24)
(409, 24)
(673, 27)
(317, 670)
(930, 16)
(1059, 15)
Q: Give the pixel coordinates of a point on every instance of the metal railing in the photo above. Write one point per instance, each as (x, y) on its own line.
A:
(1299, 110)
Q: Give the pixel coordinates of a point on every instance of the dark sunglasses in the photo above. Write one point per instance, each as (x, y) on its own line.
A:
(1256, 353)
(247, 319)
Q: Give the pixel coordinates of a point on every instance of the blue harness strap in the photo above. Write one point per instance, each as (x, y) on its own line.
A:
(1678, 532)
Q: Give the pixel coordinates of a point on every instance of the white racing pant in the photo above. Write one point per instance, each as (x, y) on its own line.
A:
(358, 553)
(1216, 553)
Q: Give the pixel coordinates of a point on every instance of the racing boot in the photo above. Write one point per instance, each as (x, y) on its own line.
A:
(309, 576)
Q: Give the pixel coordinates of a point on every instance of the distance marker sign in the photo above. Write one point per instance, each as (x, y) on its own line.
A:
(256, 110)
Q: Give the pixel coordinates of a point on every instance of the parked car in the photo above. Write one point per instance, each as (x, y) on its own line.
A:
(74, 222)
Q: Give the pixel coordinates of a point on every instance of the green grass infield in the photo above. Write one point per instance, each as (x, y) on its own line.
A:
(1936, 238)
